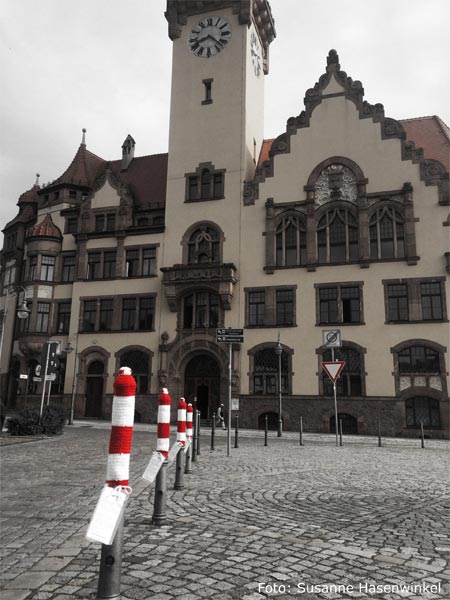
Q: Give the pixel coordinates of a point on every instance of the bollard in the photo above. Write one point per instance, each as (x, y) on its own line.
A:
(117, 474)
(213, 430)
(301, 431)
(379, 433)
(266, 428)
(236, 433)
(421, 434)
(189, 412)
(194, 437)
(162, 446)
(340, 432)
(198, 433)
(181, 439)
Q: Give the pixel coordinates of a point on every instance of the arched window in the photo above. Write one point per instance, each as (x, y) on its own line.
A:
(200, 310)
(266, 372)
(290, 242)
(139, 362)
(350, 381)
(203, 246)
(418, 359)
(337, 237)
(387, 235)
(96, 368)
(421, 409)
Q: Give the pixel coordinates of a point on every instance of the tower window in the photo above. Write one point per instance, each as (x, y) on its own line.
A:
(207, 88)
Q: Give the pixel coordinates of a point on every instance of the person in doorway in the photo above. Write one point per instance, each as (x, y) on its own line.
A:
(221, 416)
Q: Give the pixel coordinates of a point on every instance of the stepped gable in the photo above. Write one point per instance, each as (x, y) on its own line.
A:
(45, 229)
(146, 178)
(431, 134)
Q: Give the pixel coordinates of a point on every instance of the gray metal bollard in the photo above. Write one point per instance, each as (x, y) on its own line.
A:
(213, 430)
(301, 431)
(340, 432)
(379, 434)
(159, 509)
(111, 566)
(266, 429)
(188, 463)
(179, 470)
(194, 438)
(236, 432)
(421, 434)
(198, 432)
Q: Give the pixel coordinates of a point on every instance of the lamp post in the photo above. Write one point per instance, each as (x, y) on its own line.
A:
(279, 352)
(23, 312)
(68, 350)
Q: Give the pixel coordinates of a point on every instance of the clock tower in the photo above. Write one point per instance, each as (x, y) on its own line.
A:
(220, 57)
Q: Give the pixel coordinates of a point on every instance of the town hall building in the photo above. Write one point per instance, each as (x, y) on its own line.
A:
(340, 224)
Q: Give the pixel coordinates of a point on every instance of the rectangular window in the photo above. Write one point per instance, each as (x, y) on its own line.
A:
(110, 222)
(71, 225)
(218, 185)
(63, 323)
(284, 307)
(68, 268)
(93, 265)
(431, 300)
(43, 314)
(109, 264)
(99, 223)
(397, 298)
(340, 304)
(328, 305)
(47, 268)
(89, 315)
(146, 313)
(129, 313)
(148, 261)
(132, 263)
(32, 268)
(351, 310)
(106, 314)
(256, 308)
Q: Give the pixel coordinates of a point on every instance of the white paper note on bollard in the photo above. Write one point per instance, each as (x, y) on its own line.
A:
(174, 451)
(186, 448)
(107, 514)
(153, 467)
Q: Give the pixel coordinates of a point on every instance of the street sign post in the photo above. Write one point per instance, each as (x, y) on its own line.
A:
(333, 370)
(229, 336)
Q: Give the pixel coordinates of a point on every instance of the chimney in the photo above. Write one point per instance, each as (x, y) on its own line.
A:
(127, 152)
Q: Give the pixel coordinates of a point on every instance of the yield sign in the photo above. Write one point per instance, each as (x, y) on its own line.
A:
(333, 369)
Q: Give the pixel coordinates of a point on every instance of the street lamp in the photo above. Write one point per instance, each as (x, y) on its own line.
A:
(279, 352)
(68, 350)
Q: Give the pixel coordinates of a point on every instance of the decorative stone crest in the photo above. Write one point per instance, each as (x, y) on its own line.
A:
(336, 182)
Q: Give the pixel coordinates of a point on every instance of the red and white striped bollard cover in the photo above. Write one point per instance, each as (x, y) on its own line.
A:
(189, 416)
(163, 442)
(181, 427)
(122, 420)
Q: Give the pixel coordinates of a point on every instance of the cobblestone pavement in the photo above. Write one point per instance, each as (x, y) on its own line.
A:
(264, 522)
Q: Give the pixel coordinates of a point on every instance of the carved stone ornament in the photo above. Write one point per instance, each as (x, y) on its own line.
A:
(251, 192)
(336, 182)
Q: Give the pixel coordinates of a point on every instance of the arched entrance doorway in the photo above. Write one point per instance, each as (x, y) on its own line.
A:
(202, 381)
(94, 389)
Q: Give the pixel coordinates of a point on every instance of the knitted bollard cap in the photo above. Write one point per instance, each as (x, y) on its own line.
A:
(122, 421)
(189, 417)
(163, 442)
(181, 426)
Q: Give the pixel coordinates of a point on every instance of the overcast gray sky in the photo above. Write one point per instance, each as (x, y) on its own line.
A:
(105, 65)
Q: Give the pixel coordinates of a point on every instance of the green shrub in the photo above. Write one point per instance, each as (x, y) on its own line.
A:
(27, 422)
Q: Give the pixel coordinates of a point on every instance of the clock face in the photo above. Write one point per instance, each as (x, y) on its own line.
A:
(255, 51)
(209, 37)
